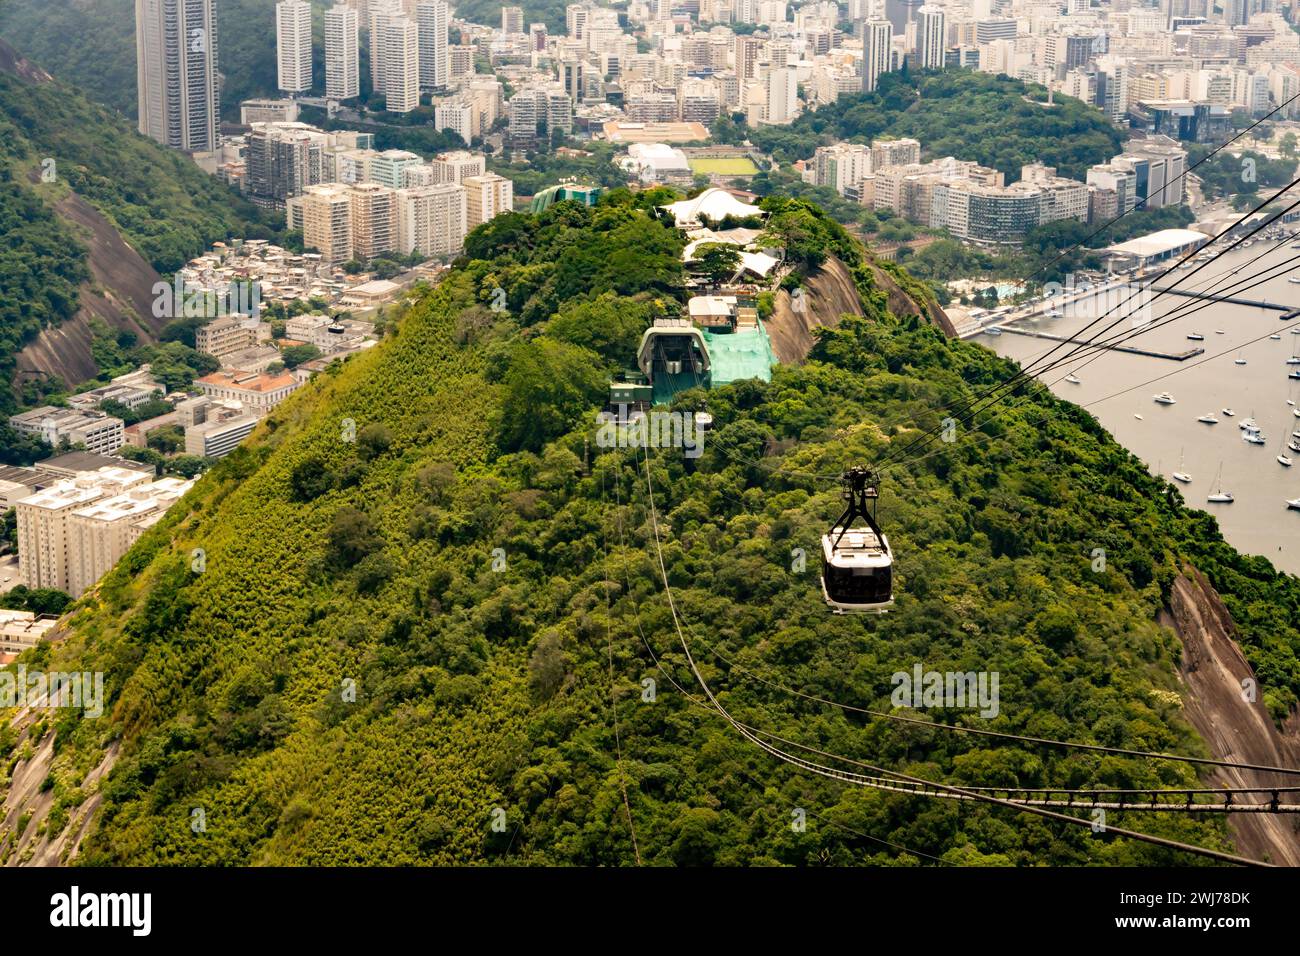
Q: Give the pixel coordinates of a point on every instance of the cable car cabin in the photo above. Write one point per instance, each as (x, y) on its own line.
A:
(858, 573)
(857, 563)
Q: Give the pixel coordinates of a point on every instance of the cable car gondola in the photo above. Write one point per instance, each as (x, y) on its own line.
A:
(857, 564)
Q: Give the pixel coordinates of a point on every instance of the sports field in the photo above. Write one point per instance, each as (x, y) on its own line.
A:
(728, 166)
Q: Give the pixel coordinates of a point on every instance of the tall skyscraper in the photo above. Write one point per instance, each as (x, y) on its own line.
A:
(176, 73)
(293, 45)
(433, 18)
(399, 46)
(575, 20)
(931, 38)
(877, 48)
(342, 56)
(512, 20)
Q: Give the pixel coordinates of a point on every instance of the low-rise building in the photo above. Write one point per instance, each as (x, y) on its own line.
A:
(258, 392)
(95, 430)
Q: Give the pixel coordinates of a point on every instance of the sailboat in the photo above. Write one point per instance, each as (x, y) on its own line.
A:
(1239, 360)
(1181, 475)
(1072, 379)
(1283, 459)
(1219, 496)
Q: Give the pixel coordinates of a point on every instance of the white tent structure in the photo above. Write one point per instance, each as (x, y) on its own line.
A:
(713, 204)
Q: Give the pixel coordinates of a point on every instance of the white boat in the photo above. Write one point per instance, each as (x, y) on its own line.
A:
(1275, 337)
(1293, 360)
(1208, 418)
(1253, 437)
(1292, 446)
(1182, 476)
(1164, 398)
(1053, 313)
(1219, 332)
(1072, 379)
(1247, 423)
(1296, 412)
(1295, 279)
(1196, 337)
(1220, 496)
(1228, 411)
(1284, 461)
(1240, 361)
(1294, 373)
(1137, 416)
(1293, 504)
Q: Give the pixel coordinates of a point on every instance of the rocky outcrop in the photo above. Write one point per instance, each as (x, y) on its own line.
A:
(829, 294)
(119, 292)
(1235, 727)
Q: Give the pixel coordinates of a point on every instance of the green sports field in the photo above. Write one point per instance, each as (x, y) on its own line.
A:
(733, 166)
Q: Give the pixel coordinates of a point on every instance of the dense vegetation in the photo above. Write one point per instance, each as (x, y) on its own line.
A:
(167, 207)
(419, 623)
(41, 267)
(993, 120)
(1241, 177)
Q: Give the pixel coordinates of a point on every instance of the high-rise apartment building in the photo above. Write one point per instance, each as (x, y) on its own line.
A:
(396, 42)
(433, 18)
(432, 219)
(342, 53)
(512, 20)
(176, 73)
(324, 214)
(877, 51)
(487, 196)
(373, 209)
(293, 45)
(931, 38)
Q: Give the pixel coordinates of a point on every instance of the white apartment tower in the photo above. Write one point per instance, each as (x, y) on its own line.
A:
(575, 20)
(395, 44)
(176, 73)
(512, 20)
(433, 18)
(487, 196)
(931, 37)
(293, 45)
(877, 49)
(342, 53)
(432, 219)
(782, 94)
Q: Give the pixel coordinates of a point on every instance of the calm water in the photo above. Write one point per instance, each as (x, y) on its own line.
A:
(1258, 522)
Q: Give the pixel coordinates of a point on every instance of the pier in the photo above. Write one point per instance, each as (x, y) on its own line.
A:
(1131, 349)
(1289, 312)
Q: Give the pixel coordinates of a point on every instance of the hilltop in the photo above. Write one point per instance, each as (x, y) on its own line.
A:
(417, 618)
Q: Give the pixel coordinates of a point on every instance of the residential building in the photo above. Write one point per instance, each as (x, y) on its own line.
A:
(373, 210)
(342, 52)
(293, 45)
(931, 38)
(877, 52)
(432, 219)
(488, 196)
(432, 19)
(226, 335)
(455, 166)
(99, 533)
(176, 73)
(324, 214)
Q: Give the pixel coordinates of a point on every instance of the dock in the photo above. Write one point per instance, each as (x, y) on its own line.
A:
(1131, 349)
(1289, 312)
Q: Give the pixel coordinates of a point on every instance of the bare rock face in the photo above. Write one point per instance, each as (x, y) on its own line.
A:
(1235, 728)
(828, 295)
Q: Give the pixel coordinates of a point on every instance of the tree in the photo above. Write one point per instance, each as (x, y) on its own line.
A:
(716, 260)
(295, 355)
(352, 536)
(548, 386)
